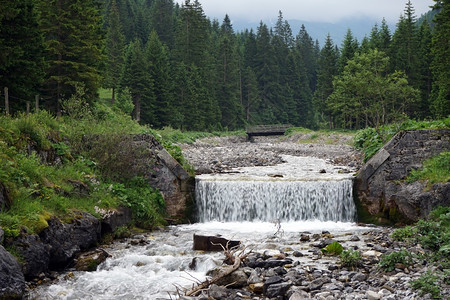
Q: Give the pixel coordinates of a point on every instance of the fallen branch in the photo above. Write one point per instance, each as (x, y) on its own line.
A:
(223, 273)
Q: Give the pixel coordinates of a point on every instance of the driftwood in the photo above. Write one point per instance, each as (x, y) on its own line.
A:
(233, 260)
(213, 243)
(224, 272)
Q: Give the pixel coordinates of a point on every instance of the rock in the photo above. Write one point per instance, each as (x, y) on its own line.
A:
(35, 253)
(12, 281)
(2, 235)
(359, 277)
(380, 184)
(213, 243)
(257, 288)
(277, 289)
(67, 240)
(266, 264)
(371, 295)
(218, 292)
(299, 295)
(304, 237)
(297, 254)
(90, 260)
(317, 283)
(119, 217)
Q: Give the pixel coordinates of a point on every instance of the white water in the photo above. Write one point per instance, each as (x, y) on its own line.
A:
(294, 191)
(157, 269)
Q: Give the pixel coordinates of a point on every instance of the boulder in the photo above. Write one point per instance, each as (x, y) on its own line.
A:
(90, 260)
(2, 235)
(380, 184)
(35, 253)
(213, 243)
(120, 217)
(67, 240)
(12, 281)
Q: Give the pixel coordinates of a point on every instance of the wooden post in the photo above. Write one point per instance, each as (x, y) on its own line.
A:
(36, 100)
(6, 101)
(28, 107)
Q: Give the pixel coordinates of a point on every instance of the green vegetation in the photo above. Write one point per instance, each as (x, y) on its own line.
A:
(434, 235)
(390, 261)
(333, 249)
(48, 173)
(219, 79)
(370, 140)
(350, 258)
(428, 284)
(435, 169)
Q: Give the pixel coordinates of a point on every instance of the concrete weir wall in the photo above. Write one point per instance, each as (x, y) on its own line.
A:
(380, 185)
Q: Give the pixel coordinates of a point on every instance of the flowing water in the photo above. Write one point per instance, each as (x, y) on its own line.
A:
(263, 207)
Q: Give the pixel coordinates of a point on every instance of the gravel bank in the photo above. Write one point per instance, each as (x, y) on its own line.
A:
(220, 154)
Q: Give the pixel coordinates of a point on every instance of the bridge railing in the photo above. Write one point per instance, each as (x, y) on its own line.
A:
(278, 128)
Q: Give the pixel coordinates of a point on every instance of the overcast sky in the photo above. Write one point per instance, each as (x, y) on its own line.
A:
(310, 10)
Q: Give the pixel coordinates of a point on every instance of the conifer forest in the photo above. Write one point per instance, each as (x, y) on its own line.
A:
(168, 64)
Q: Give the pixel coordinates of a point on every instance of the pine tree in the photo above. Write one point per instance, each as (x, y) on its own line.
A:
(135, 77)
(309, 55)
(441, 61)
(425, 57)
(74, 41)
(228, 77)
(348, 51)
(115, 45)
(162, 21)
(157, 56)
(404, 45)
(326, 71)
(21, 49)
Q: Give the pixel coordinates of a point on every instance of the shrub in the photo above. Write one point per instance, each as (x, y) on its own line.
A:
(405, 234)
(389, 261)
(350, 258)
(435, 170)
(428, 283)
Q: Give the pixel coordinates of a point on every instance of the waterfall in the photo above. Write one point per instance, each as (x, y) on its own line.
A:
(269, 200)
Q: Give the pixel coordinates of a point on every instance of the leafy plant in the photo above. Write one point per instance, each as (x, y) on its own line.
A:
(389, 261)
(428, 283)
(405, 234)
(350, 258)
(333, 249)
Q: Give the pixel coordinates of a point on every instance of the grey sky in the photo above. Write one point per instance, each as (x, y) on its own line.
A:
(311, 10)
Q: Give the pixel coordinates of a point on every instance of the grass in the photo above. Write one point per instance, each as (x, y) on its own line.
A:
(435, 170)
(39, 191)
(369, 140)
(321, 136)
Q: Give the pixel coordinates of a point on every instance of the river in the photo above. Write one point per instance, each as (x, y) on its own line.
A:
(266, 208)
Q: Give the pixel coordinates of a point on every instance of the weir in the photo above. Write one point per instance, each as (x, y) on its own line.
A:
(271, 200)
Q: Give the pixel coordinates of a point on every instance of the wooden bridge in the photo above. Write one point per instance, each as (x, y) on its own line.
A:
(266, 130)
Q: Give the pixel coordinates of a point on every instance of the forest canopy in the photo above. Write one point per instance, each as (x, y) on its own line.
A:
(170, 65)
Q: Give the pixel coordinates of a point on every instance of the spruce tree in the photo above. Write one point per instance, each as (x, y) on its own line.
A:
(21, 48)
(440, 100)
(115, 45)
(157, 56)
(74, 47)
(162, 21)
(328, 66)
(348, 51)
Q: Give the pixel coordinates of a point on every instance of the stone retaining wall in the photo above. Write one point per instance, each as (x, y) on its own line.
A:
(380, 184)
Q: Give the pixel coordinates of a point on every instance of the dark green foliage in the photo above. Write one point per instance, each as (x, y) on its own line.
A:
(389, 261)
(350, 258)
(74, 42)
(333, 249)
(428, 283)
(147, 205)
(21, 49)
(440, 98)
